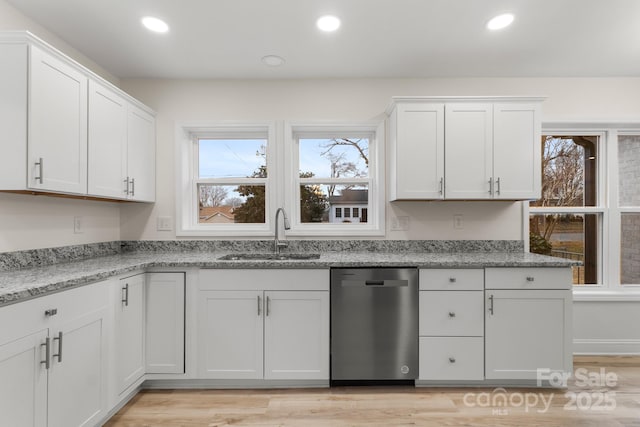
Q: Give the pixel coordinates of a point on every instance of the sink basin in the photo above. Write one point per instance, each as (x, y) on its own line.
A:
(269, 257)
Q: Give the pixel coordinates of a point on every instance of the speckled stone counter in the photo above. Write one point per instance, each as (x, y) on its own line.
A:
(22, 284)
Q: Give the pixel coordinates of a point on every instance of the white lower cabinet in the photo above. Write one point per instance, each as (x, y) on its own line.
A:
(248, 332)
(129, 331)
(23, 389)
(53, 361)
(451, 327)
(528, 331)
(165, 311)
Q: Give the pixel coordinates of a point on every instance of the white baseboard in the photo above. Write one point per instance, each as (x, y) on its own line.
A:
(606, 347)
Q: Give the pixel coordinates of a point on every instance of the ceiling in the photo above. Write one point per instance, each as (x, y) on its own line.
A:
(377, 39)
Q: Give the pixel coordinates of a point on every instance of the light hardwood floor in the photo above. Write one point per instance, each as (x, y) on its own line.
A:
(586, 402)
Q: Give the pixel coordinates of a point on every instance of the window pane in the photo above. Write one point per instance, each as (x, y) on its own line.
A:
(333, 204)
(229, 204)
(628, 165)
(569, 171)
(334, 158)
(571, 236)
(232, 158)
(630, 249)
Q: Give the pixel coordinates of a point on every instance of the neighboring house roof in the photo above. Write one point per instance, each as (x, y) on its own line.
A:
(216, 214)
(350, 197)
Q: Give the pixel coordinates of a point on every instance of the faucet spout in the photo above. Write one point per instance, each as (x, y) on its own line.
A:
(277, 244)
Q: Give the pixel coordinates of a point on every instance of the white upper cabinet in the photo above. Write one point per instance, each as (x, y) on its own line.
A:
(121, 147)
(468, 158)
(57, 147)
(67, 131)
(141, 154)
(417, 151)
(107, 143)
(465, 148)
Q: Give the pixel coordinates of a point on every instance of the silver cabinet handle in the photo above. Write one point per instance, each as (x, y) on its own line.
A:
(452, 280)
(452, 360)
(452, 314)
(133, 187)
(441, 185)
(491, 304)
(498, 186)
(126, 185)
(59, 354)
(491, 185)
(40, 164)
(47, 353)
(268, 306)
(51, 312)
(530, 279)
(259, 305)
(125, 298)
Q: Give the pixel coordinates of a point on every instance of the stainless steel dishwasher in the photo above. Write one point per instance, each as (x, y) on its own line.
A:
(374, 325)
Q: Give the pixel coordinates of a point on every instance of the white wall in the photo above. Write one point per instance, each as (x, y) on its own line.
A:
(362, 99)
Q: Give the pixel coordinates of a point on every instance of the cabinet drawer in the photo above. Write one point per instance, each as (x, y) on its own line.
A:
(528, 278)
(451, 313)
(452, 279)
(260, 280)
(450, 358)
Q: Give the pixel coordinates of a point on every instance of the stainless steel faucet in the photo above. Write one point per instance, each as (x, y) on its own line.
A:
(277, 244)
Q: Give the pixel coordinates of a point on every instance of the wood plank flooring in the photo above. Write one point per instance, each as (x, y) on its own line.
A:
(588, 401)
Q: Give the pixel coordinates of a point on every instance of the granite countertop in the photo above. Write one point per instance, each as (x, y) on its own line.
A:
(23, 284)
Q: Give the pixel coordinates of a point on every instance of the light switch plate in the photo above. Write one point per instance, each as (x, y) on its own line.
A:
(164, 223)
(77, 225)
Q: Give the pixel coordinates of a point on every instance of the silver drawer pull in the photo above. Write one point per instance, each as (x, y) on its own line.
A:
(530, 279)
(51, 312)
(452, 314)
(40, 164)
(452, 360)
(452, 280)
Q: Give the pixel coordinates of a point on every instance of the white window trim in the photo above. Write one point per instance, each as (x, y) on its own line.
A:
(609, 287)
(186, 168)
(375, 181)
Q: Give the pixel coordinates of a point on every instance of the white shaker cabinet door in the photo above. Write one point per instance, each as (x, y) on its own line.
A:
(129, 319)
(469, 150)
(141, 155)
(517, 151)
(526, 331)
(57, 148)
(417, 151)
(107, 150)
(77, 377)
(165, 299)
(230, 336)
(296, 335)
(23, 389)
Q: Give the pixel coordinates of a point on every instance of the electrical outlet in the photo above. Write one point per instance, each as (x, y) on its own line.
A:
(457, 222)
(77, 225)
(164, 223)
(400, 223)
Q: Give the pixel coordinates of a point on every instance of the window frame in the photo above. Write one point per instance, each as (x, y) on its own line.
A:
(187, 137)
(375, 180)
(607, 207)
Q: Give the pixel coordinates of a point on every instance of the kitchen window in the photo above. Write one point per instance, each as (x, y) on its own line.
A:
(590, 204)
(336, 179)
(226, 180)
(566, 221)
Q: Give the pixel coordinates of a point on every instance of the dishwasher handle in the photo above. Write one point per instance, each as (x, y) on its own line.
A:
(374, 283)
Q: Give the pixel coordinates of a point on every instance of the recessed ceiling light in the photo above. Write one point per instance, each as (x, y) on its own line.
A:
(154, 24)
(328, 23)
(273, 60)
(501, 21)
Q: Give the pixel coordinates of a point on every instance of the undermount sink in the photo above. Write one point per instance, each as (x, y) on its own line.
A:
(269, 256)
